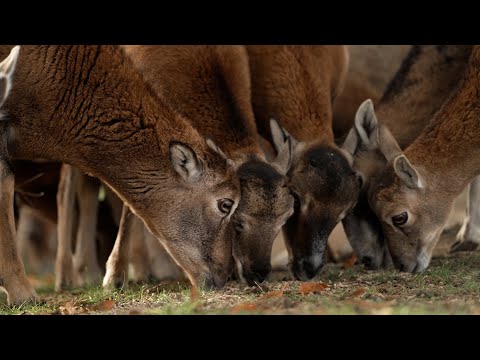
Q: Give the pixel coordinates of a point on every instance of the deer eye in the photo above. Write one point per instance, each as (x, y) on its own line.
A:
(225, 206)
(400, 219)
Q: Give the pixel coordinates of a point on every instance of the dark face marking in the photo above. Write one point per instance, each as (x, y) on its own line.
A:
(327, 188)
(265, 205)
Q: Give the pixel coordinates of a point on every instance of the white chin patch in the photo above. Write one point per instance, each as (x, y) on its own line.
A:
(423, 260)
(239, 266)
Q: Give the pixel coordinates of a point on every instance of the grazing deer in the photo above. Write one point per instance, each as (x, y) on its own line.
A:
(426, 78)
(413, 194)
(296, 85)
(87, 106)
(210, 85)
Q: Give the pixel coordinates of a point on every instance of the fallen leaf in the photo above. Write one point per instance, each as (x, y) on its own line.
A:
(272, 294)
(312, 287)
(244, 307)
(350, 261)
(103, 305)
(71, 308)
(359, 292)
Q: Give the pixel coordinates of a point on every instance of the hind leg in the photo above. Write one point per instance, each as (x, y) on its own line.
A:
(69, 177)
(12, 272)
(468, 238)
(85, 264)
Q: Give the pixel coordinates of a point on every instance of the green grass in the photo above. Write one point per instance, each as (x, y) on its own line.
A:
(450, 286)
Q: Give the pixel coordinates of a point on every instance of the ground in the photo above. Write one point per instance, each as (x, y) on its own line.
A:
(450, 286)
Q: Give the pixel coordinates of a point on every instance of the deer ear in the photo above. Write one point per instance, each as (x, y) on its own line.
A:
(350, 145)
(185, 161)
(211, 144)
(405, 171)
(387, 144)
(283, 161)
(7, 67)
(366, 124)
(279, 135)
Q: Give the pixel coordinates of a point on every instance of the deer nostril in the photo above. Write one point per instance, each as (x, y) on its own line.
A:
(402, 267)
(367, 261)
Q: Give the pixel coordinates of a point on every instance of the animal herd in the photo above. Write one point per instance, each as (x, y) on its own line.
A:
(204, 154)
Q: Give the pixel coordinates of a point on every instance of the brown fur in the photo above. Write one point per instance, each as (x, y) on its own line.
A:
(86, 106)
(296, 85)
(424, 181)
(426, 78)
(210, 85)
(371, 68)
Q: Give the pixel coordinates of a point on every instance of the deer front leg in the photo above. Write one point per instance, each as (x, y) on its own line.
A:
(69, 177)
(468, 238)
(85, 265)
(12, 272)
(34, 241)
(117, 263)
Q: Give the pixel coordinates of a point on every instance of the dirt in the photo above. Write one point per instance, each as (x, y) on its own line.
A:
(451, 285)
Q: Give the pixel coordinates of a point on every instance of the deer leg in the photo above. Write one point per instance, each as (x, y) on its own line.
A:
(85, 264)
(162, 265)
(468, 238)
(69, 177)
(138, 251)
(117, 263)
(12, 272)
(34, 241)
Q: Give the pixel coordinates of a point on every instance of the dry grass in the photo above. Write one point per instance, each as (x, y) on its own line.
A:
(450, 286)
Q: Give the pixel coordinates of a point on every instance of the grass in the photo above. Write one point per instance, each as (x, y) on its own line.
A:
(450, 286)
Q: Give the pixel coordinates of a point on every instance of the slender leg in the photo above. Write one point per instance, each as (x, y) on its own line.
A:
(12, 272)
(69, 177)
(34, 241)
(468, 238)
(85, 264)
(139, 252)
(117, 263)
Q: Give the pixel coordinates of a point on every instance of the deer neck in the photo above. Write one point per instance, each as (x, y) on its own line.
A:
(86, 106)
(426, 78)
(449, 147)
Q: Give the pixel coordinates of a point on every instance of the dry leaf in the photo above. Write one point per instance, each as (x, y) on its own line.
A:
(350, 261)
(359, 292)
(244, 307)
(312, 288)
(103, 305)
(71, 308)
(272, 294)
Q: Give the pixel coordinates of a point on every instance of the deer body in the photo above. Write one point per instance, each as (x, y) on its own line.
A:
(210, 85)
(296, 85)
(87, 106)
(415, 191)
(427, 77)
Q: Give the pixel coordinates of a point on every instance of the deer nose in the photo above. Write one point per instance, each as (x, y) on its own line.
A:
(402, 267)
(311, 269)
(367, 261)
(258, 274)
